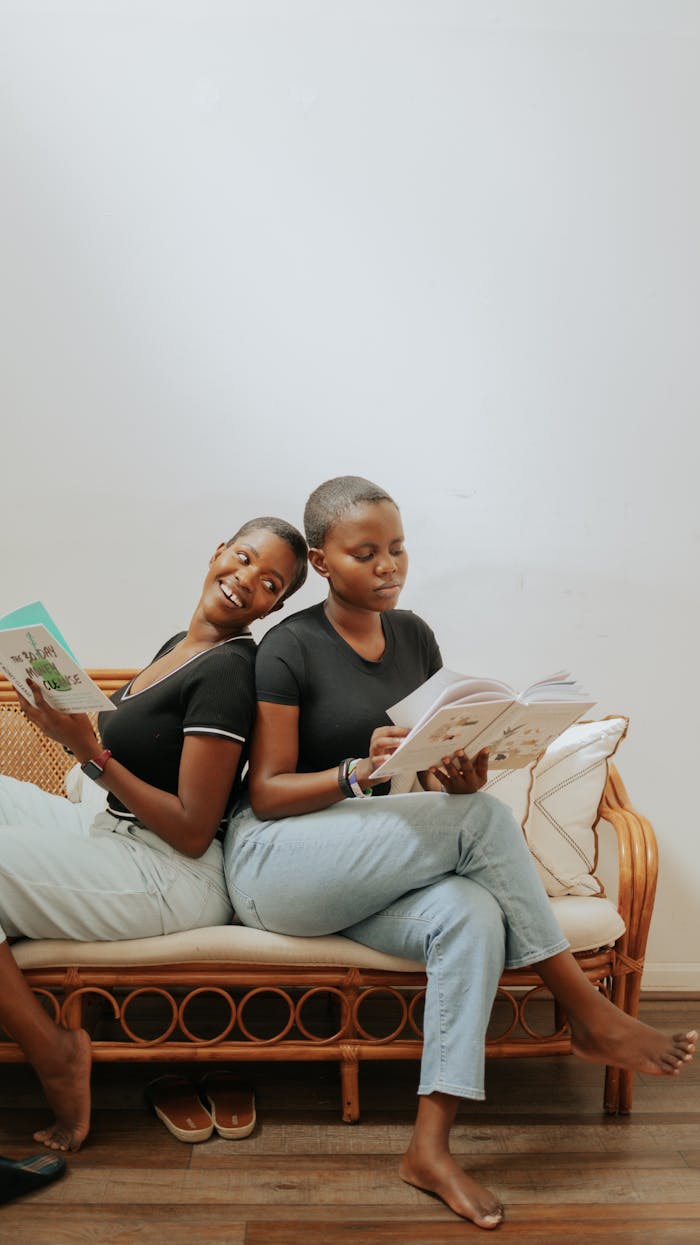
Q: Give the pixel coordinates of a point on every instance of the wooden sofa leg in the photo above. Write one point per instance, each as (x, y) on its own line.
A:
(619, 1082)
(350, 1089)
(626, 1092)
(611, 1094)
(633, 991)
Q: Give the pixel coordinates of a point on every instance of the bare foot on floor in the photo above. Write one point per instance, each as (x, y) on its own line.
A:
(611, 1036)
(66, 1081)
(445, 1178)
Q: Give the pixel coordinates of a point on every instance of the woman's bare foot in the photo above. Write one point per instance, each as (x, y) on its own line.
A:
(610, 1036)
(65, 1076)
(444, 1177)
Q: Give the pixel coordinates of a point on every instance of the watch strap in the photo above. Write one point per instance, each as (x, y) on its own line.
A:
(94, 767)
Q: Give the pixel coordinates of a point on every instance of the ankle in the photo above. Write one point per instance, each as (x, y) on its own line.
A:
(59, 1053)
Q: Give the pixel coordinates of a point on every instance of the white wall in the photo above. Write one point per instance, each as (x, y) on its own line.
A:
(448, 244)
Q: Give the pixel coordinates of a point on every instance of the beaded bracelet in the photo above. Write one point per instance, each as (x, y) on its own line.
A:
(359, 792)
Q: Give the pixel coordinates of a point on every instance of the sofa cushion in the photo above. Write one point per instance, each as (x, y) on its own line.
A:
(567, 789)
(587, 923)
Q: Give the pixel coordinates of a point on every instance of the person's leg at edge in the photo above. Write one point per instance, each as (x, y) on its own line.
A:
(56, 884)
(60, 1057)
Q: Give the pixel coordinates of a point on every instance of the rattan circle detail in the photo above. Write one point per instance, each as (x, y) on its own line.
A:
(534, 1033)
(74, 995)
(389, 1037)
(47, 994)
(345, 1014)
(513, 1003)
(277, 1037)
(163, 1037)
(412, 1008)
(219, 1037)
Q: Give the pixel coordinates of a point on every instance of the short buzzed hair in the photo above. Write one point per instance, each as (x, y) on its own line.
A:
(290, 534)
(332, 499)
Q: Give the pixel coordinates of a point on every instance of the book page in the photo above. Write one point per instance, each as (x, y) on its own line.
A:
(557, 687)
(442, 688)
(33, 651)
(448, 730)
(515, 734)
(521, 734)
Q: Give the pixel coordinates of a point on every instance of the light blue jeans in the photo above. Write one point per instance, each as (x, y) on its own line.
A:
(65, 876)
(447, 880)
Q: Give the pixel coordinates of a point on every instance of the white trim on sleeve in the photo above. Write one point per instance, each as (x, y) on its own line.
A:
(212, 730)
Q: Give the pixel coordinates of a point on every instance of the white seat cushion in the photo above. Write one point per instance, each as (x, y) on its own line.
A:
(587, 922)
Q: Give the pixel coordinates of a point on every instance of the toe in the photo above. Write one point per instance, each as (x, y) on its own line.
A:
(492, 1220)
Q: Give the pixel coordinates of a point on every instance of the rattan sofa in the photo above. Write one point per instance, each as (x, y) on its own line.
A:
(236, 995)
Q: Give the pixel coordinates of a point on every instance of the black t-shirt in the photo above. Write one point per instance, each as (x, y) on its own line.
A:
(342, 697)
(212, 693)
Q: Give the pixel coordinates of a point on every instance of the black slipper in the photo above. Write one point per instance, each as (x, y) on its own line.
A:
(18, 1176)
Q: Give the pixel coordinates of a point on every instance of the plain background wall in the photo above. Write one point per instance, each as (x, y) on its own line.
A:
(450, 245)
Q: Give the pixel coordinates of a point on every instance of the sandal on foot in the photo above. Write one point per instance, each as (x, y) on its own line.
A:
(18, 1176)
(177, 1103)
(232, 1105)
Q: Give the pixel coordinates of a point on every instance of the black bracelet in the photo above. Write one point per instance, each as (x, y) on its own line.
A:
(343, 782)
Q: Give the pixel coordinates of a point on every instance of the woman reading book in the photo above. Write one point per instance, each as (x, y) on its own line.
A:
(170, 758)
(442, 875)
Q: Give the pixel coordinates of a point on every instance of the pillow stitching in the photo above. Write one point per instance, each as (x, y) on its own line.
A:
(502, 775)
(567, 837)
(602, 736)
(566, 782)
(552, 874)
(599, 894)
(598, 738)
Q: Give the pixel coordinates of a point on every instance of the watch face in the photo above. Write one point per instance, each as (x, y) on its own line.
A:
(92, 769)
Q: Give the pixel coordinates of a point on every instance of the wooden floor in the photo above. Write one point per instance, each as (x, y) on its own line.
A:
(565, 1171)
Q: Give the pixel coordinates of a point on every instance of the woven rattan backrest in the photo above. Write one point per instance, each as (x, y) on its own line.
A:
(25, 752)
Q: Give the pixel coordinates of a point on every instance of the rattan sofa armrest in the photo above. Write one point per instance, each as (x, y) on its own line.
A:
(638, 865)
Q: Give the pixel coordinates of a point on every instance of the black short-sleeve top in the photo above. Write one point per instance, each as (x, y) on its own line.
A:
(212, 693)
(341, 696)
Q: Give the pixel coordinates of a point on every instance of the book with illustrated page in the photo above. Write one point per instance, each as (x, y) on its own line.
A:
(32, 647)
(454, 711)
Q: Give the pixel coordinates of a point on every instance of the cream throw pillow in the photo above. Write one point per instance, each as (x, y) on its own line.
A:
(513, 787)
(567, 788)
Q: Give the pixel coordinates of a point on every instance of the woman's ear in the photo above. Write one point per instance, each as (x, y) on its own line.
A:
(219, 549)
(318, 561)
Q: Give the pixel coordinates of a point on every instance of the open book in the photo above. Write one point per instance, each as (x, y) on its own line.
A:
(32, 647)
(452, 711)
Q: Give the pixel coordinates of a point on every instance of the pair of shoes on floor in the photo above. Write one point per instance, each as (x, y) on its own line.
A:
(192, 1112)
(19, 1176)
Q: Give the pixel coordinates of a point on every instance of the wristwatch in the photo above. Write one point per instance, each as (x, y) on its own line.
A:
(94, 768)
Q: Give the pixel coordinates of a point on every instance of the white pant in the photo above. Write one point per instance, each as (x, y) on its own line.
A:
(62, 877)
